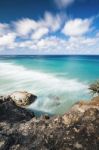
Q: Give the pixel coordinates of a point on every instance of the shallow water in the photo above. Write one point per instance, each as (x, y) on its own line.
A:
(58, 81)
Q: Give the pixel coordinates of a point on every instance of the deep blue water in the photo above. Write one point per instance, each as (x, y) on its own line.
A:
(58, 81)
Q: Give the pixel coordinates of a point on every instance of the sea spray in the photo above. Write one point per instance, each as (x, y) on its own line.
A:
(55, 94)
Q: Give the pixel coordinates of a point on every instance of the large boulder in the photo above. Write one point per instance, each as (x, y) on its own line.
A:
(22, 98)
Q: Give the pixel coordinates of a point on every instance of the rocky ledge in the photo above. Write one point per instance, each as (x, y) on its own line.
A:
(77, 129)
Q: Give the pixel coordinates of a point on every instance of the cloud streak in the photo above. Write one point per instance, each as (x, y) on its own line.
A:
(63, 3)
(27, 27)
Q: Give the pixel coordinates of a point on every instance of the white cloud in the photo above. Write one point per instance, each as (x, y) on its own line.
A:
(47, 43)
(74, 45)
(8, 40)
(52, 22)
(4, 28)
(63, 3)
(25, 27)
(77, 27)
(82, 45)
(27, 44)
(7, 37)
(41, 40)
(56, 45)
(40, 33)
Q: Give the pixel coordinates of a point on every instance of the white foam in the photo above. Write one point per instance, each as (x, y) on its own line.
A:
(14, 77)
(24, 78)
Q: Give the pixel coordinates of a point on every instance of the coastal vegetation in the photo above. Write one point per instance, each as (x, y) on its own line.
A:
(94, 88)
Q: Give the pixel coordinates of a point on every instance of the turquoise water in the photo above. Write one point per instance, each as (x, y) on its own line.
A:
(58, 81)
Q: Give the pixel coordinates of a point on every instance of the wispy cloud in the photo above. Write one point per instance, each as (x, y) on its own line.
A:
(74, 45)
(24, 26)
(8, 40)
(53, 22)
(39, 36)
(27, 27)
(4, 28)
(63, 3)
(40, 33)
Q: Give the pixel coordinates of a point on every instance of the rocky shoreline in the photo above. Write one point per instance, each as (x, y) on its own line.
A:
(20, 129)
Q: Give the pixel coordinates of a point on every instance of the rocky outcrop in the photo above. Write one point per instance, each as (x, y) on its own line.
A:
(10, 112)
(79, 109)
(76, 130)
(22, 98)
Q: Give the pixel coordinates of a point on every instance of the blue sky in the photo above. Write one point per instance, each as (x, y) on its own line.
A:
(49, 27)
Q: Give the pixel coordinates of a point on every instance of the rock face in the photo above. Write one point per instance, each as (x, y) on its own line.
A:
(22, 98)
(76, 130)
(10, 112)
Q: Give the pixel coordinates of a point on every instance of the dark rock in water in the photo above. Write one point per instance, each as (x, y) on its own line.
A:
(45, 116)
(76, 130)
(4, 98)
(22, 98)
(10, 112)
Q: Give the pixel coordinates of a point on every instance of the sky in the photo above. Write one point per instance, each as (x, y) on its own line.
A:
(49, 27)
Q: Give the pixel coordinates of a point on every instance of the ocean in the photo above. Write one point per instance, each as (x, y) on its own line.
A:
(58, 81)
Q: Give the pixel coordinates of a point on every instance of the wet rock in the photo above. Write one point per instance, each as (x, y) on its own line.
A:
(4, 98)
(9, 111)
(45, 116)
(23, 98)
